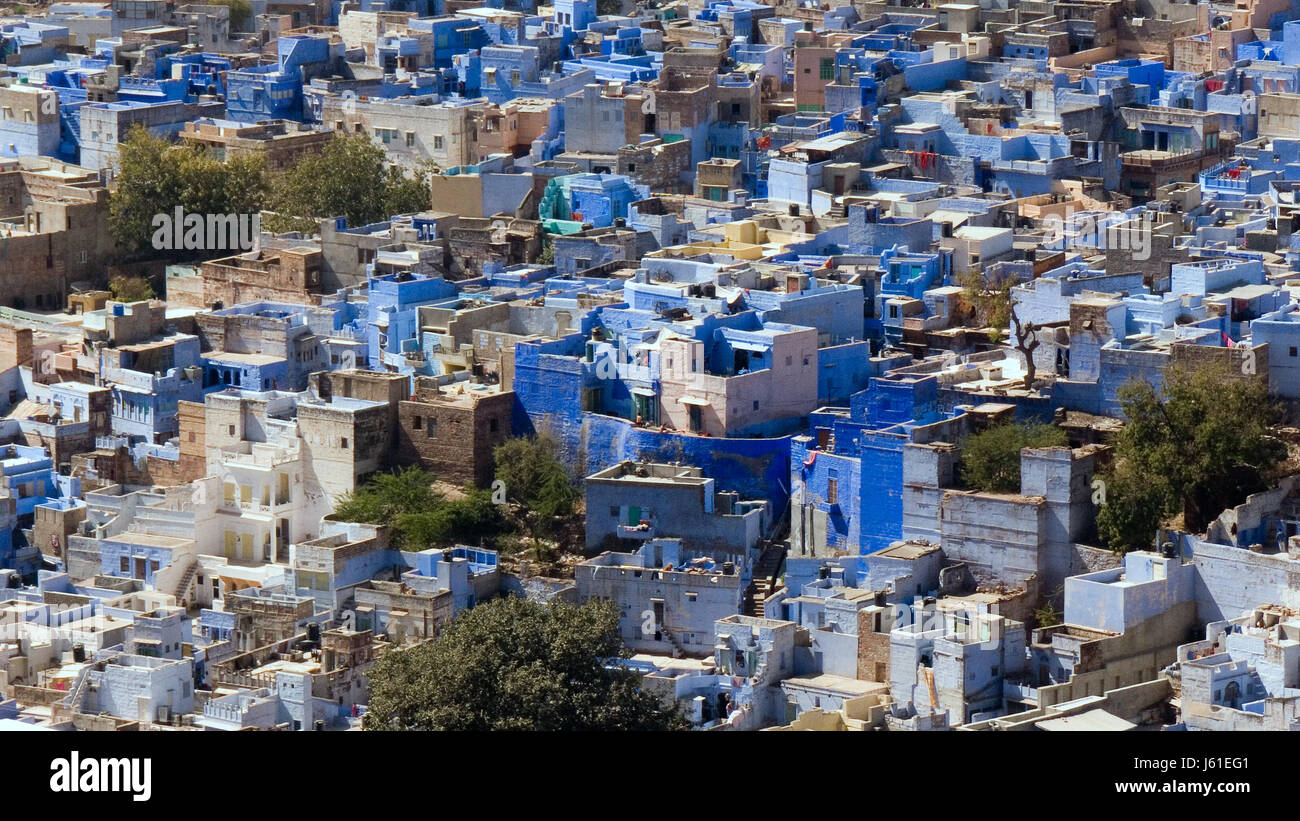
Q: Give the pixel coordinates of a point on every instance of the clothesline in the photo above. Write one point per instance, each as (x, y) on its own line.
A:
(923, 159)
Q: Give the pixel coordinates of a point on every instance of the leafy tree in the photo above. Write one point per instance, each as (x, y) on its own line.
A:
(410, 192)
(130, 289)
(146, 185)
(351, 178)
(604, 7)
(389, 495)
(1133, 510)
(990, 300)
(547, 255)
(465, 520)
(991, 458)
(515, 664)
(155, 176)
(1203, 445)
(534, 477)
(1048, 615)
(419, 516)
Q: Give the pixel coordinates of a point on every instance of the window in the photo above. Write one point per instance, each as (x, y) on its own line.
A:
(419, 422)
(344, 443)
(231, 430)
(1293, 350)
(833, 491)
(613, 511)
(828, 68)
(410, 139)
(492, 426)
(755, 404)
(437, 143)
(125, 565)
(431, 427)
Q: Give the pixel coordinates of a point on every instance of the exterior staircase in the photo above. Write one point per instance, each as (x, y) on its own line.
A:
(678, 649)
(76, 698)
(766, 573)
(186, 583)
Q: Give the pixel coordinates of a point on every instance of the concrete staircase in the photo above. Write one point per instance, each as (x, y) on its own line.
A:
(679, 649)
(766, 573)
(186, 583)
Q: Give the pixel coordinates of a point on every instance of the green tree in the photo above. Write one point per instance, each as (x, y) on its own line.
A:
(1048, 615)
(534, 477)
(155, 176)
(408, 193)
(350, 177)
(990, 299)
(547, 255)
(389, 495)
(130, 289)
(419, 516)
(990, 459)
(1200, 445)
(147, 184)
(465, 520)
(515, 664)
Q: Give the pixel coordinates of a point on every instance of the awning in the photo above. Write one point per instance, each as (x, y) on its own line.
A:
(643, 391)
(694, 400)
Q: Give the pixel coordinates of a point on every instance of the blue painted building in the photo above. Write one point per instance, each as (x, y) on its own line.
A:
(846, 476)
